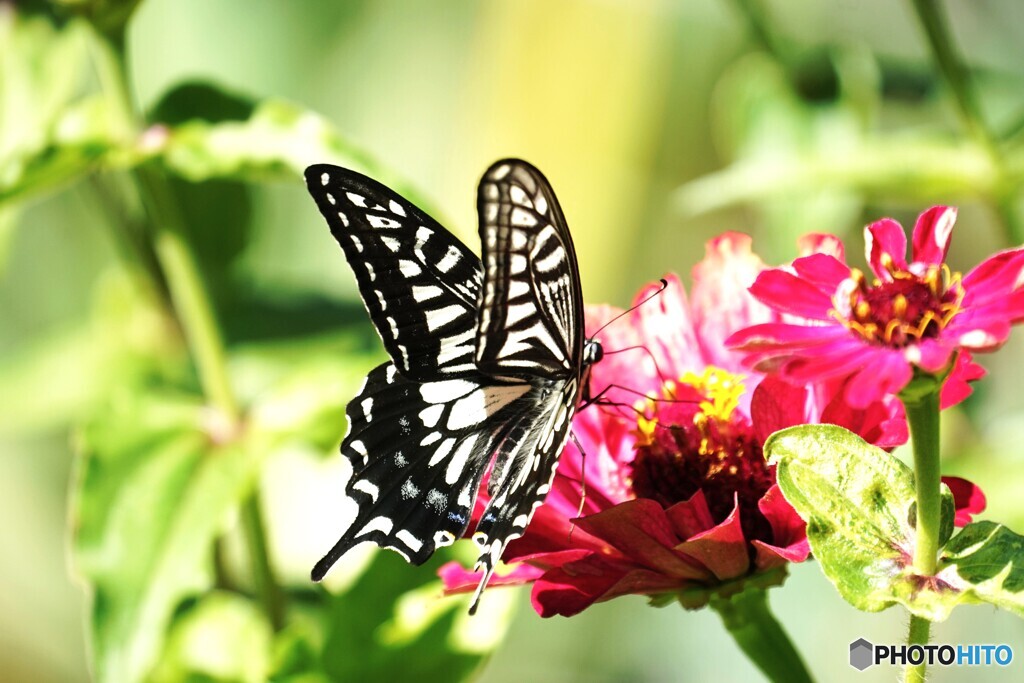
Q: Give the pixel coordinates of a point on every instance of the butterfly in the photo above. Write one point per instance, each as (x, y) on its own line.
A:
(488, 362)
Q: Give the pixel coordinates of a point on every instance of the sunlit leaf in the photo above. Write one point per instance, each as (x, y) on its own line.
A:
(53, 124)
(222, 637)
(152, 494)
(420, 637)
(858, 502)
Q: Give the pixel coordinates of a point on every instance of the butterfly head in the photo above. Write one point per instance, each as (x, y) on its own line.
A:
(593, 352)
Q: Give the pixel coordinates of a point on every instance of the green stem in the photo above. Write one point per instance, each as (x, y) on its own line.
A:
(750, 622)
(918, 634)
(267, 588)
(923, 418)
(193, 309)
(760, 28)
(955, 72)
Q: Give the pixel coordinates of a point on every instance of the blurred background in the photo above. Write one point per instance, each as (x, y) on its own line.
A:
(659, 123)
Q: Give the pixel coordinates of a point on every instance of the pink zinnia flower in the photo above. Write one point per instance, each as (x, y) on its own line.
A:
(679, 501)
(911, 315)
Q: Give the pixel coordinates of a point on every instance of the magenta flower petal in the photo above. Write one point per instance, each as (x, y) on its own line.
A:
(669, 337)
(690, 517)
(458, 579)
(968, 499)
(777, 404)
(818, 243)
(837, 359)
(822, 270)
(768, 556)
(956, 387)
(931, 235)
(885, 237)
(994, 278)
(930, 355)
(787, 293)
(568, 592)
(639, 529)
(722, 549)
(787, 526)
(882, 423)
(778, 336)
(720, 299)
(887, 373)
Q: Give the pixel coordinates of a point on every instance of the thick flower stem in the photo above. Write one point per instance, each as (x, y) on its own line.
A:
(918, 634)
(923, 418)
(749, 620)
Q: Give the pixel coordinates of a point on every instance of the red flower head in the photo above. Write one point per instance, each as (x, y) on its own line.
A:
(679, 500)
(911, 315)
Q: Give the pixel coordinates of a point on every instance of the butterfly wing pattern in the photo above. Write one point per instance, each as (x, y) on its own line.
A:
(487, 362)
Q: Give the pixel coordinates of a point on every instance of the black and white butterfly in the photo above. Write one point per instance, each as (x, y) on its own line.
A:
(488, 362)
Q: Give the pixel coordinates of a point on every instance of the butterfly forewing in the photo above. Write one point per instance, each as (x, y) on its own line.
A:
(418, 282)
(486, 361)
(530, 304)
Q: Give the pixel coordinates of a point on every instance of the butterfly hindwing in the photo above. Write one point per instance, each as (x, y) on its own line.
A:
(419, 283)
(530, 303)
(418, 452)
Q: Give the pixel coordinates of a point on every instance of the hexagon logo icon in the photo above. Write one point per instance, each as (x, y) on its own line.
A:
(861, 654)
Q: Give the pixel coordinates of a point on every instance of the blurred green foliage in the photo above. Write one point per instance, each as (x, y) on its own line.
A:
(170, 297)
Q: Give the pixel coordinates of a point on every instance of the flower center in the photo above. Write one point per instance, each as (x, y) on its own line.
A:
(685, 446)
(901, 311)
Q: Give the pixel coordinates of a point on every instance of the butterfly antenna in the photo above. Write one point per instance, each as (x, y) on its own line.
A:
(664, 286)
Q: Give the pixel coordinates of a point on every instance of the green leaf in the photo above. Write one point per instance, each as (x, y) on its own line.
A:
(152, 494)
(858, 502)
(985, 563)
(53, 127)
(421, 636)
(222, 637)
(855, 499)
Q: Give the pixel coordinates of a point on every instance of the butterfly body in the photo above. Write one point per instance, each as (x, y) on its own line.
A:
(488, 361)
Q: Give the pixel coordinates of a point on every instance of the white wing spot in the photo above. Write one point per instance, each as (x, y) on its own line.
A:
(368, 488)
(446, 391)
(357, 243)
(391, 243)
(426, 293)
(518, 196)
(409, 489)
(382, 221)
(343, 218)
(356, 199)
(430, 416)
(431, 438)
(414, 544)
(443, 316)
(381, 524)
(396, 208)
(331, 199)
(380, 299)
(324, 178)
(458, 462)
(367, 405)
(450, 260)
(523, 218)
(370, 272)
(393, 326)
(501, 171)
(437, 500)
(409, 268)
(442, 451)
